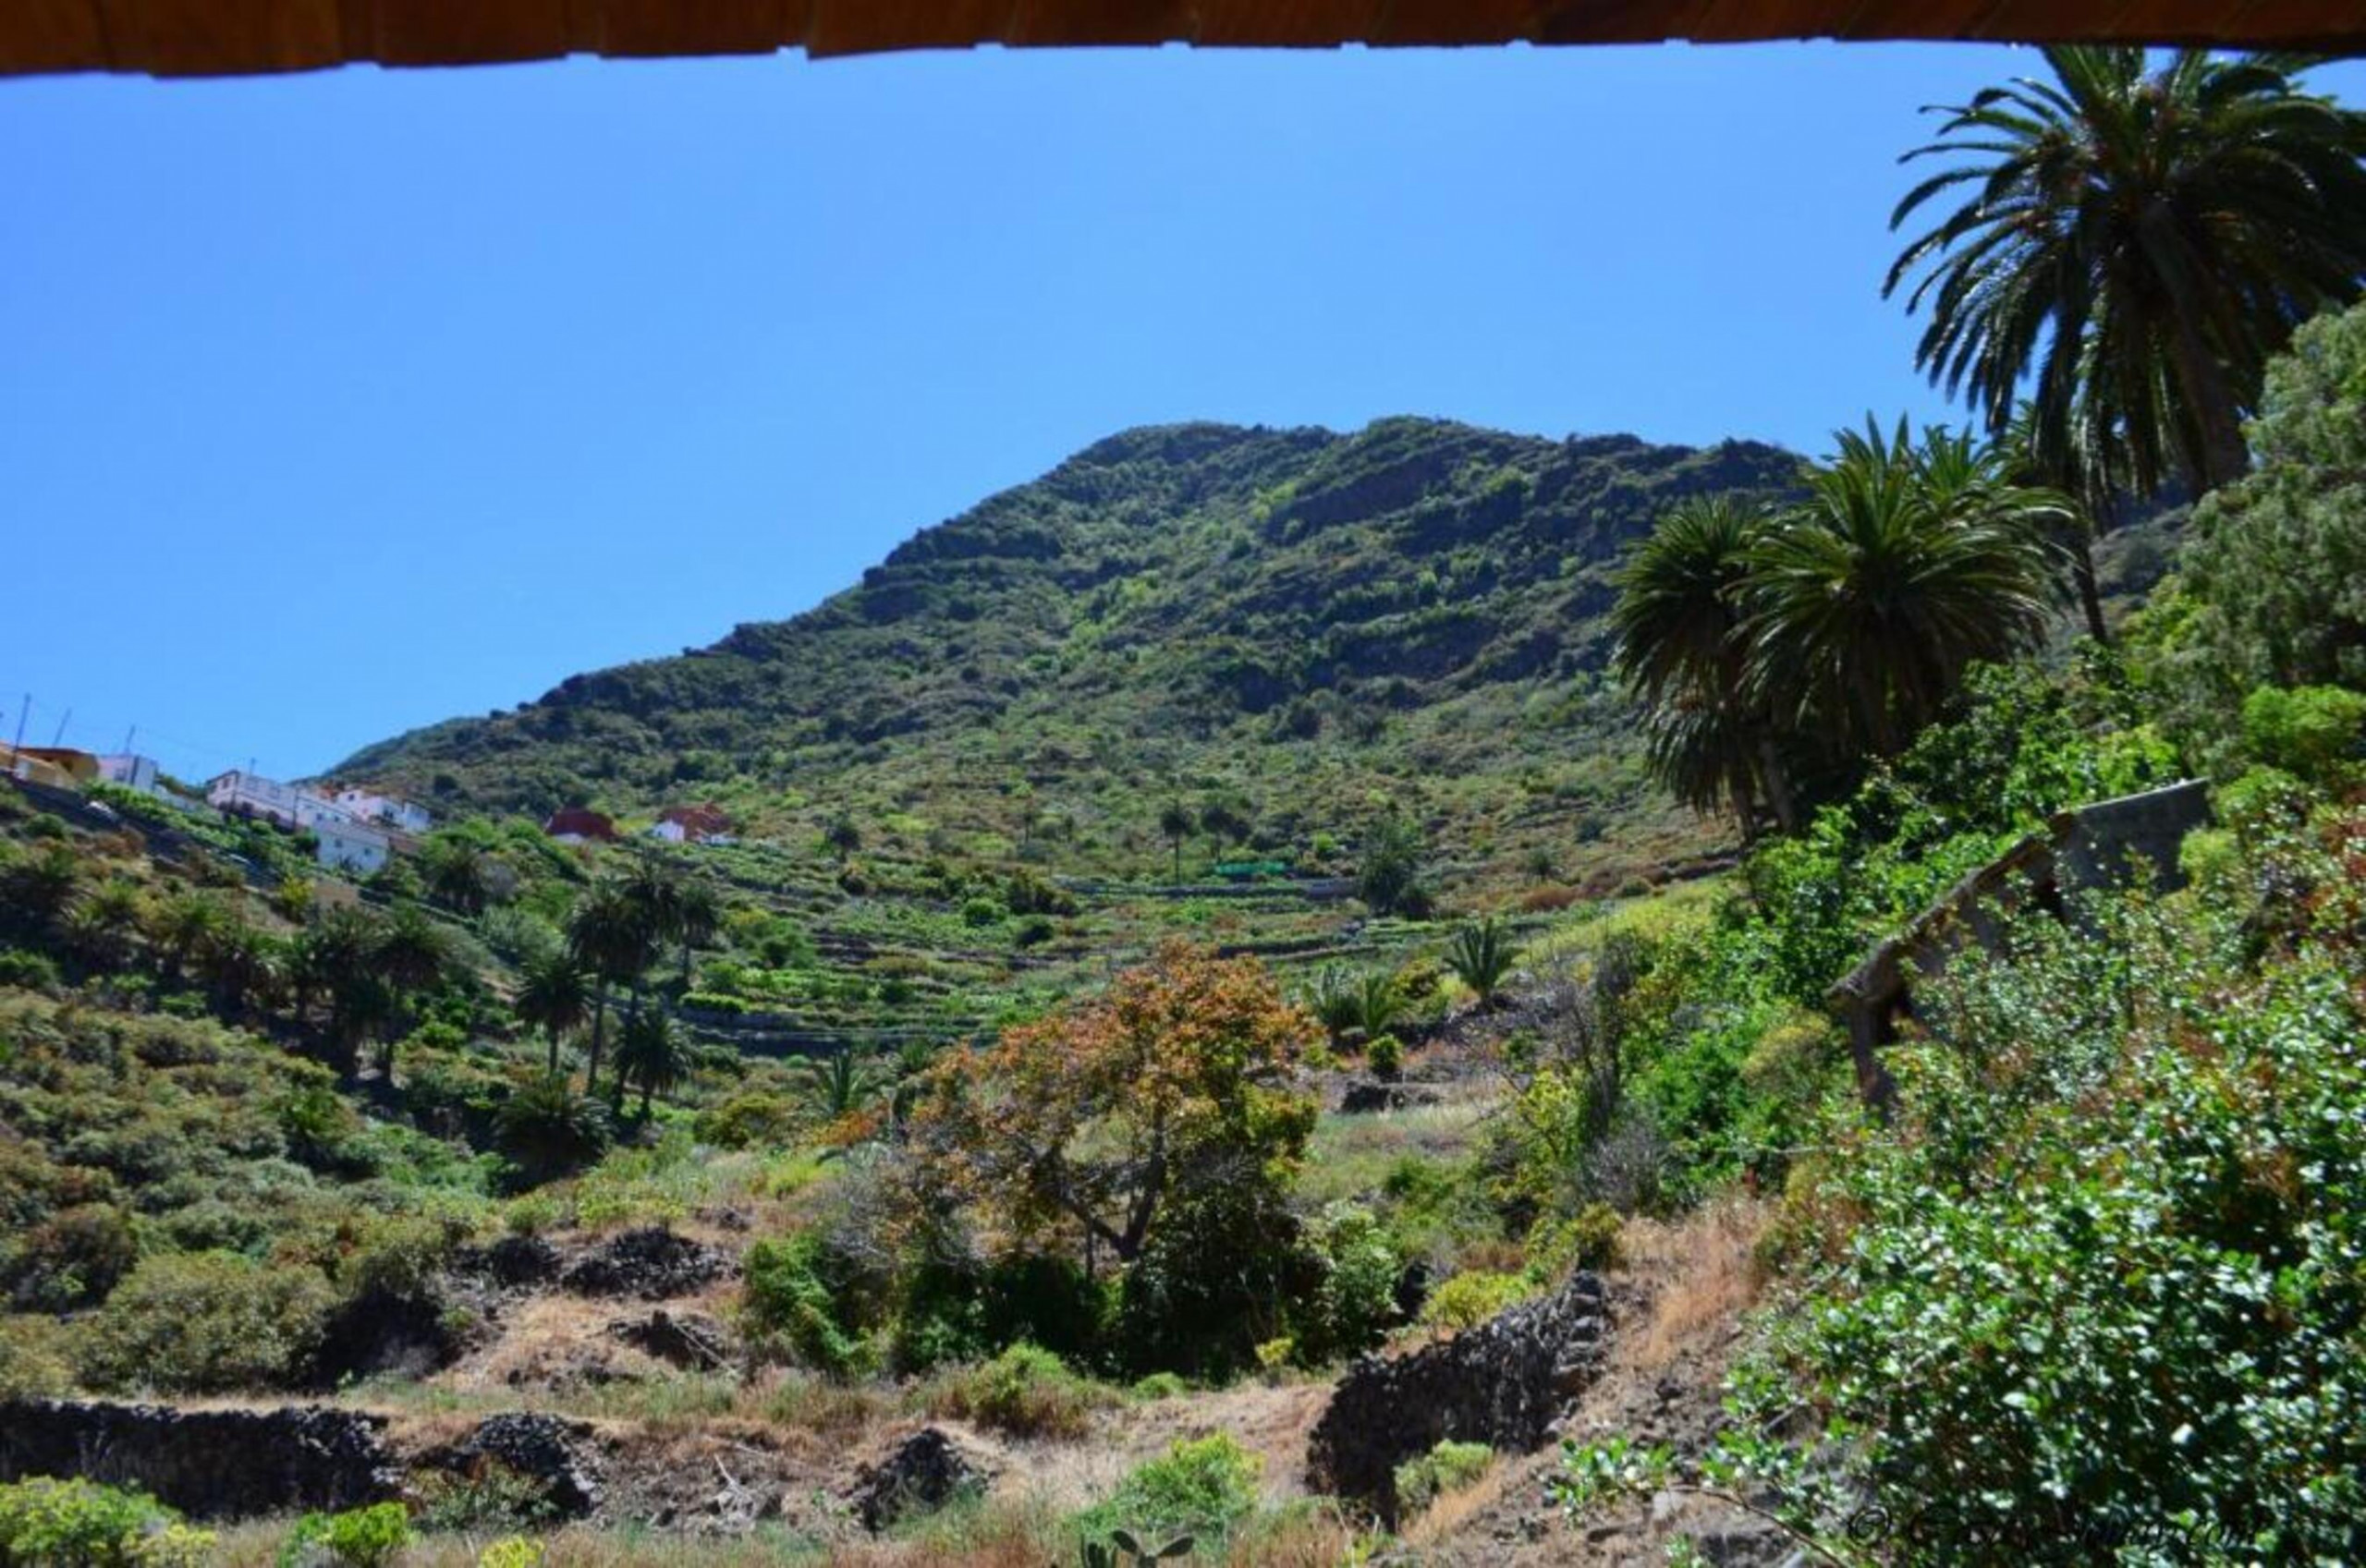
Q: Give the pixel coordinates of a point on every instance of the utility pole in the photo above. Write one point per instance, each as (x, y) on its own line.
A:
(59, 738)
(24, 713)
(127, 739)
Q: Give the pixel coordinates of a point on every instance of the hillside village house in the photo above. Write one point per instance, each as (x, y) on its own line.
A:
(365, 804)
(692, 824)
(133, 772)
(351, 846)
(59, 766)
(291, 806)
(577, 824)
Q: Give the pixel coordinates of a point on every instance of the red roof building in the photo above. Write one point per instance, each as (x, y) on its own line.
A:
(575, 824)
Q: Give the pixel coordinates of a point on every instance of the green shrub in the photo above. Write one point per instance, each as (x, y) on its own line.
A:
(791, 1302)
(71, 1259)
(358, 1537)
(512, 1552)
(2100, 1280)
(750, 1119)
(1470, 1299)
(1160, 1385)
(2307, 730)
(29, 971)
(1205, 1488)
(488, 1496)
(1026, 1391)
(207, 1323)
(36, 1358)
(1450, 1466)
(1352, 1307)
(1385, 1054)
(78, 1524)
(1588, 1239)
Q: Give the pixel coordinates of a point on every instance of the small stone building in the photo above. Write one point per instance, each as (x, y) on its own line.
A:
(2085, 847)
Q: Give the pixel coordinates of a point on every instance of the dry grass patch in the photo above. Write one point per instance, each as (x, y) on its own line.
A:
(1700, 1270)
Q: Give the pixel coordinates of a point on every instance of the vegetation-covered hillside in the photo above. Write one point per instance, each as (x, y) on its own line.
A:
(1284, 630)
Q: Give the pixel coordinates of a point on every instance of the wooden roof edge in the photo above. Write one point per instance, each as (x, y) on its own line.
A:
(184, 37)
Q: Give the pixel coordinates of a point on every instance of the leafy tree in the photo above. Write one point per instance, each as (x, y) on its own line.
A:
(2271, 586)
(842, 838)
(650, 1052)
(1905, 564)
(554, 996)
(1388, 877)
(1482, 955)
(1711, 737)
(1100, 1117)
(2135, 247)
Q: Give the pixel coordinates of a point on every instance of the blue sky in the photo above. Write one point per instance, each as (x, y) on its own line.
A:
(339, 404)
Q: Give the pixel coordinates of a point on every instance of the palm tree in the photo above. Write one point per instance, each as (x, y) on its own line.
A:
(408, 954)
(554, 996)
(1175, 822)
(331, 957)
(103, 922)
(180, 928)
(608, 935)
(2139, 245)
(698, 914)
(836, 1087)
(456, 874)
(1902, 566)
(1709, 737)
(242, 965)
(650, 1052)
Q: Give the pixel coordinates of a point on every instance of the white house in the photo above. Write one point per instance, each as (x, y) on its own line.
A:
(368, 806)
(133, 772)
(349, 846)
(252, 794)
(289, 804)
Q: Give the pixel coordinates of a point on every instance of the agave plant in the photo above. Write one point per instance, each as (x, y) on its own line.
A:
(1126, 1546)
(1482, 956)
(1336, 1003)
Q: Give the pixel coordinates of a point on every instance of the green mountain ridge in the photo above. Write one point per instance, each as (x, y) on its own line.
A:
(1261, 619)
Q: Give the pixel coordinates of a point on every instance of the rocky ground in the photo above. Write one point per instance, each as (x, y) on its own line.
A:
(605, 1372)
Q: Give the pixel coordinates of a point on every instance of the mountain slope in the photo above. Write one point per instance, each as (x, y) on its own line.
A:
(1296, 627)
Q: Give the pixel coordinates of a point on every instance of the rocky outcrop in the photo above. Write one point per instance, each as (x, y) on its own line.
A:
(516, 1262)
(652, 1263)
(691, 1339)
(1365, 1096)
(555, 1455)
(1502, 1383)
(925, 1471)
(209, 1463)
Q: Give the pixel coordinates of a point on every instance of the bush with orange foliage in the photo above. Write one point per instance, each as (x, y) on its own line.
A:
(1175, 1083)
